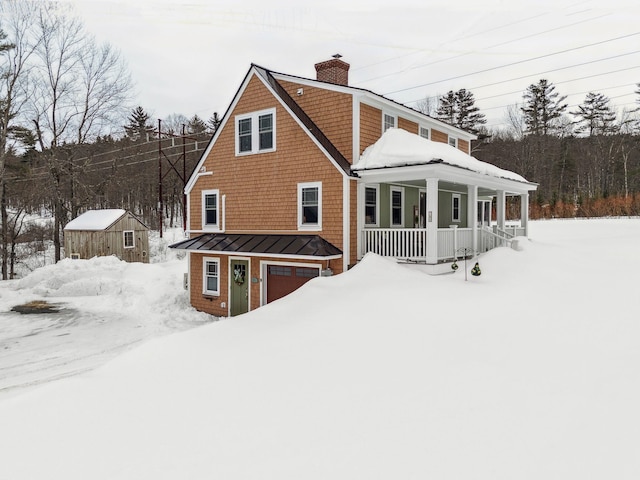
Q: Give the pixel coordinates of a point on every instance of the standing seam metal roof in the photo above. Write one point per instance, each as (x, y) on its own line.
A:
(298, 245)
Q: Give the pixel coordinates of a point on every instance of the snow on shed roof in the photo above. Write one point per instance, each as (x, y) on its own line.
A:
(399, 148)
(95, 219)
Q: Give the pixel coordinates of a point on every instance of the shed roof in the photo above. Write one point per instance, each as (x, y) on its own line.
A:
(270, 245)
(96, 219)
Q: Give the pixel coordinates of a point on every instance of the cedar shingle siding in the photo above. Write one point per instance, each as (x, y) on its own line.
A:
(260, 190)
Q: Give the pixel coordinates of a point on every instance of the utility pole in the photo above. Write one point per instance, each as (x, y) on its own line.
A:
(160, 176)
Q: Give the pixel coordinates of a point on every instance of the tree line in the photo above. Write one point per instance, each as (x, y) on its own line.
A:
(64, 98)
(586, 160)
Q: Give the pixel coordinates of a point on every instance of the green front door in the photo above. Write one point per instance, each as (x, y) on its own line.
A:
(239, 287)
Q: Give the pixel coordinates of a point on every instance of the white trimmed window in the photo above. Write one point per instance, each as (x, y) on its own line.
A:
(256, 132)
(455, 207)
(388, 121)
(453, 141)
(310, 206)
(371, 202)
(211, 210)
(424, 132)
(397, 206)
(211, 276)
(128, 239)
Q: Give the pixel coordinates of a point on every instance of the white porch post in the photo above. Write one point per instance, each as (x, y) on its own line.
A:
(360, 218)
(524, 213)
(501, 209)
(432, 221)
(472, 214)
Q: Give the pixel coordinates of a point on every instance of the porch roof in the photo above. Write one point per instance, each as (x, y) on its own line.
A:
(405, 155)
(267, 245)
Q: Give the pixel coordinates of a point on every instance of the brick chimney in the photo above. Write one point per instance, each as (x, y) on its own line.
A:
(333, 71)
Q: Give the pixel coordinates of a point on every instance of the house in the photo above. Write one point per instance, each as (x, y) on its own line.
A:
(305, 176)
(98, 233)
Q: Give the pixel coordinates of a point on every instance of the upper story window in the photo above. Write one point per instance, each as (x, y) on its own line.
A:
(424, 132)
(453, 141)
(310, 206)
(371, 201)
(256, 132)
(388, 121)
(397, 206)
(210, 210)
(128, 238)
(455, 207)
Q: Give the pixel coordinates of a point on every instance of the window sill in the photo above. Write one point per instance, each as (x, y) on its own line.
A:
(313, 228)
(257, 152)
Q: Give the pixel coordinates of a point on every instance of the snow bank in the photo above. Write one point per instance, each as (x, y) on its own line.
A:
(106, 307)
(528, 371)
(398, 148)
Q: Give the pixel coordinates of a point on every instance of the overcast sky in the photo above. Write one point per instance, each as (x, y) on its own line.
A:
(189, 56)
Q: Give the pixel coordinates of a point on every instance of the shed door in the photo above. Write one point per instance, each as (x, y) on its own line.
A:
(284, 279)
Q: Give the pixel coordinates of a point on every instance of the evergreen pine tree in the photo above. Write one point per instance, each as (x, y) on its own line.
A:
(542, 106)
(447, 108)
(469, 116)
(458, 109)
(214, 122)
(596, 115)
(196, 125)
(138, 128)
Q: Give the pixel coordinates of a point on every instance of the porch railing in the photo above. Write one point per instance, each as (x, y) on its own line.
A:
(492, 238)
(408, 243)
(411, 243)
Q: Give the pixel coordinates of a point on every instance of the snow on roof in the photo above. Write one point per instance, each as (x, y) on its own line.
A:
(398, 148)
(95, 219)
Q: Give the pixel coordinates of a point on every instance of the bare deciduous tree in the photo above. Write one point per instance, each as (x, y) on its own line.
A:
(16, 48)
(428, 105)
(81, 90)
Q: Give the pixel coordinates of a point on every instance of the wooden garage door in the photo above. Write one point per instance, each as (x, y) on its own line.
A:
(284, 279)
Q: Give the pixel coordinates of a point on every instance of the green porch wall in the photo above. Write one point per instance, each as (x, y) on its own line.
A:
(445, 210)
(412, 199)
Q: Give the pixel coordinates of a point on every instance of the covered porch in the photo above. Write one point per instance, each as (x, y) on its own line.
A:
(433, 203)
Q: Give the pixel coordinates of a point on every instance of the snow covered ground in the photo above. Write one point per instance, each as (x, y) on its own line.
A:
(529, 371)
(101, 303)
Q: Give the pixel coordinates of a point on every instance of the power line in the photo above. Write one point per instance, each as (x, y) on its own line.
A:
(520, 62)
(489, 47)
(541, 73)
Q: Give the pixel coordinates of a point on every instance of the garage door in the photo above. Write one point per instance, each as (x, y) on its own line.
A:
(284, 279)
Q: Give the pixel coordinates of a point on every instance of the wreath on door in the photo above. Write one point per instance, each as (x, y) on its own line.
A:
(238, 275)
